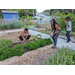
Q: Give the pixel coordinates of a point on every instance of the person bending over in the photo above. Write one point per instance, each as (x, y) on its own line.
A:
(24, 35)
(56, 28)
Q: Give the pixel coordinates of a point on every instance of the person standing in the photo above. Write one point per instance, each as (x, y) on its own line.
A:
(56, 28)
(68, 28)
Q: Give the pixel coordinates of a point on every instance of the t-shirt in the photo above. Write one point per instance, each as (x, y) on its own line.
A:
(68, 28)
(24, 33)
(56, 26)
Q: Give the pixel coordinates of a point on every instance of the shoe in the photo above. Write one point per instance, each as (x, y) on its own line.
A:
(68, 41)
(53, 47)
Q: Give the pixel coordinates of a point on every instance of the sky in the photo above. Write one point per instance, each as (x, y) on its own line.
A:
(40, 10)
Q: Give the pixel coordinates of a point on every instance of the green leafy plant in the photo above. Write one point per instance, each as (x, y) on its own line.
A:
(5, 43)
(18, 50)
(6, 52)
(40, 43)
(24, 45)
(11, 25)
(72, 33)
(32, 45)
(60, 18)
(64, 56)
(36, 37)
(48, 41)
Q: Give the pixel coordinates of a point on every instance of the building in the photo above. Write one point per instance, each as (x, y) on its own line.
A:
(10, 16)
(45, 19)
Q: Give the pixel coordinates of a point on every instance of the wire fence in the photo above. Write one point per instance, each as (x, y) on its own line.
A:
(5, 21)
(41, 22)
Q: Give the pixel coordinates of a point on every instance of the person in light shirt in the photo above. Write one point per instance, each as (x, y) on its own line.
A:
(24, 35)
(68, 28)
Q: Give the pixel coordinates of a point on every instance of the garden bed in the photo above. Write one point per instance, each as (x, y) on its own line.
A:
(9, 49)
(26, 42)
(11, 28)
(35, 57)
(13, 36)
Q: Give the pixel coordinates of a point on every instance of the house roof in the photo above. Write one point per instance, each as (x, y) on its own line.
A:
(4, 11)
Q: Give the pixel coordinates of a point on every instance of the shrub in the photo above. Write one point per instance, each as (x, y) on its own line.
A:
(32, 45)
(24, 45)
(5, 43)
(18, 50)
(60, 18)
(6, 52)
(11, 25)
(64, 56)
(48, 41)
(40, 43)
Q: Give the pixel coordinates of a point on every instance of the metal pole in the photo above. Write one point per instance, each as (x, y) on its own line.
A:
(33, 12)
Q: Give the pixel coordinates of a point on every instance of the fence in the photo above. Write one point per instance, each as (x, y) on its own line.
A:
(1, 21)
(41, 22)
(5, 21)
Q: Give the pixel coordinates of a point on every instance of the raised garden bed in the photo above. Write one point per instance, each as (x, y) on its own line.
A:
(9, 49)
(26, 42)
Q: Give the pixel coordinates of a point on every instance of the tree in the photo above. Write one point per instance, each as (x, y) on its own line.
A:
(66, 11)
(28, 18)
(25, 12)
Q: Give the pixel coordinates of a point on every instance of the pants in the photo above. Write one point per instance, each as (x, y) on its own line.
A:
(55, 37)
(20, 37)
(68, 35)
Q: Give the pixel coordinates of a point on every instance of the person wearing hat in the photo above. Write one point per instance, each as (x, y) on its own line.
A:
(24, 35)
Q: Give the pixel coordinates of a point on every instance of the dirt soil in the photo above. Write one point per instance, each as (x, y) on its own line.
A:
(13, 36)
(26, 42)
(48, 26)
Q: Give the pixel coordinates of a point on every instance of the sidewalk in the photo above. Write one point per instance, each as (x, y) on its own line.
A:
(60, 44)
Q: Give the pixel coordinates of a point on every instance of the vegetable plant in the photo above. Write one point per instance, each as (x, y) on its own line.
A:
(6, 52)
(5, 43)
(36, 37)
(32, 45)
(40, 43)
(24, 45)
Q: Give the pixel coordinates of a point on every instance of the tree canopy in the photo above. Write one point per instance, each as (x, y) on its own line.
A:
(22, 12)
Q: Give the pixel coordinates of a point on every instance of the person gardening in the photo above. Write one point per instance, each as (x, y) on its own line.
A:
(24, 35)
(56, 28)
(68, 28)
